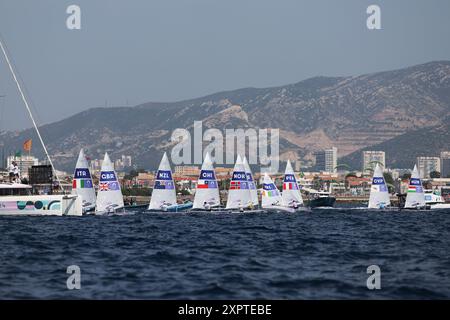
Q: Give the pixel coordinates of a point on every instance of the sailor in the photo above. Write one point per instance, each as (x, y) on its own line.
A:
(16, 172)
(295, 205)
(206, 206)
(11, 171)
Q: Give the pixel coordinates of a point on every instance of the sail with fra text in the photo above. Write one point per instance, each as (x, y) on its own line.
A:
(291, 192)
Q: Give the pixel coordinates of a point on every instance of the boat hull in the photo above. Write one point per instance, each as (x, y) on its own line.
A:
(41, 205)
(180, 207)
(440, 206)
(175, 208)
(245, 211)
(280, 209)
(322, 202)
(136, 207)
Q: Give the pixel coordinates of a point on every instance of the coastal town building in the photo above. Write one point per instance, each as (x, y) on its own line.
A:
(326, 160)
(144, 179)
(24, 162)
(445, 164)
(123, 163)
(186, 171)
(370, 158)
(427, 165)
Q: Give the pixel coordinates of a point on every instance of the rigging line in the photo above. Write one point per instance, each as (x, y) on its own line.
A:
(2, 108)
(24, 87)
(29, 112)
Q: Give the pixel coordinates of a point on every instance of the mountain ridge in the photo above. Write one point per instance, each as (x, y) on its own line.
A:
(352, 113)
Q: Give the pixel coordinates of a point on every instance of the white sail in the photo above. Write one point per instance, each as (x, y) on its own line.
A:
(271, 195)
(109, 195)
(164, 193)
(379, 193)
(207, 192)
(239, 193)
(291, 193)
(251, 183)
(82, 181)
(415, 196)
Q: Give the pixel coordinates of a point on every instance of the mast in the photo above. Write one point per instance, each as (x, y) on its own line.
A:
(29, 112)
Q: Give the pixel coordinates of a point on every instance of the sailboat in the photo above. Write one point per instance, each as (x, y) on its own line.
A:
(271, 197)
(291, 195)
(415, 198)
(239, 193)
(109, 197)
(82, 183)
(17, 198)
(164, 196)
(207, 193)
(379, 193)
(251, 184)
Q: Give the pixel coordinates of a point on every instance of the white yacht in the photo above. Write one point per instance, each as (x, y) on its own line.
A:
(434, 200)
(16, 199)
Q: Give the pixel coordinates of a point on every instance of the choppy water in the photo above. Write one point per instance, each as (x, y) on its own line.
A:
(322, 254)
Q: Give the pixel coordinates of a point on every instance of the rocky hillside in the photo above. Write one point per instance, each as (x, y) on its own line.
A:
(351, 113)
(402, 151)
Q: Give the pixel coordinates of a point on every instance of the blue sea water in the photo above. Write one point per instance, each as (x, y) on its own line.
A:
(323, 254)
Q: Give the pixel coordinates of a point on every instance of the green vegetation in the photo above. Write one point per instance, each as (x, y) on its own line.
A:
(389, 181)
(133, 173)
(406, 176)
(137, 192)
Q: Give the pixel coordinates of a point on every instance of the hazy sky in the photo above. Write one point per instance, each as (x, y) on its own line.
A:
(164, 50)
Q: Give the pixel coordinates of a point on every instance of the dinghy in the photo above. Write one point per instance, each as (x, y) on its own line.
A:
(271, 197)
(82, 185)
(291, 195)
(379, 193)
(109, 197)
(164, 197)
(251, 184)
(415, 197)
(239, 197)
(207, 196)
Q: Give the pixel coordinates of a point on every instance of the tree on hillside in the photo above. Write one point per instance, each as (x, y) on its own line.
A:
(389, 181)
(406, 176)
(349, 175)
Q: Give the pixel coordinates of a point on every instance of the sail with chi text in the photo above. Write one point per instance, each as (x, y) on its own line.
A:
(207, 192)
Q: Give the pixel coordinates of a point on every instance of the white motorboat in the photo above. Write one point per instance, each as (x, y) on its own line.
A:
(16, 199)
